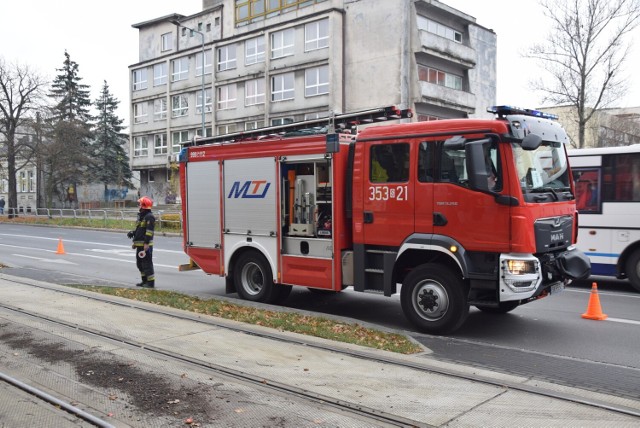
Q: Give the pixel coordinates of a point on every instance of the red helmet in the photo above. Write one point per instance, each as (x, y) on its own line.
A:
(145, 203)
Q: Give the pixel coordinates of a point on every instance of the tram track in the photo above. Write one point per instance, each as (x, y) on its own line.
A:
(344, 406)
(38, 395)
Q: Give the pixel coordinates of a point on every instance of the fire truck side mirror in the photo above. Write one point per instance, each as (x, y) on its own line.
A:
(476, 166)
(333, 143)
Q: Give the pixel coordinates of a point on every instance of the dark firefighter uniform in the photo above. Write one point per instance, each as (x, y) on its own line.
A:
(143, 244)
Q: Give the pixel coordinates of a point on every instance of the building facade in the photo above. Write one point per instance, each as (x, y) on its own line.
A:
(607, 127)
(270, 62)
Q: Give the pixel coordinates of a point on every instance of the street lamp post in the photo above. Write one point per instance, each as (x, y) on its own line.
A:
(178, 24)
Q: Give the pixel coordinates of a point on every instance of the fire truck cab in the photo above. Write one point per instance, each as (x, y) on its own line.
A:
(453, 213)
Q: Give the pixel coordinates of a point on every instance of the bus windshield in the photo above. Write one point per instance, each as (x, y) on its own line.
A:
(542, 170)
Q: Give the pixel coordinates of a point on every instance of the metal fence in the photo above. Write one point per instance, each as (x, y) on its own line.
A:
(170, 219)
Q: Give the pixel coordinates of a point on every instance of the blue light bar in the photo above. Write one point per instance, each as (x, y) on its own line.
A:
(506, 110)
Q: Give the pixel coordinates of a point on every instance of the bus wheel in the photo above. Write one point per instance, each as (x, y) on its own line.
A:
(502, 308)
(633, 269)
(433, 299)
(253, 279)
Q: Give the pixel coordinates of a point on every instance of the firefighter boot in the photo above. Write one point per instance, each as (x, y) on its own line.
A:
(143, 282)
(149, 284)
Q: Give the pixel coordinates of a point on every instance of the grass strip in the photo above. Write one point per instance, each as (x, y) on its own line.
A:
(283, 321)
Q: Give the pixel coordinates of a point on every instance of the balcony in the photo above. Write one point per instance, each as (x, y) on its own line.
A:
(447, 97)
(449, 50)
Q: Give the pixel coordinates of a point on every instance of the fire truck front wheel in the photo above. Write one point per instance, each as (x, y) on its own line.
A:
(433, 299)
(254, 281)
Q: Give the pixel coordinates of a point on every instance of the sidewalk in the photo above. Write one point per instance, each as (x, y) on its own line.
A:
(442, 397)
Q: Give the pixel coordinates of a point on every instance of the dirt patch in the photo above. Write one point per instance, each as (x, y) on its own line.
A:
(149, 393)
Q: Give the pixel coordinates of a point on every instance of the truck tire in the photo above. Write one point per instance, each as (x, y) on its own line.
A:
(433, 299)
(633, 269)
(502, 308)
(253, 278)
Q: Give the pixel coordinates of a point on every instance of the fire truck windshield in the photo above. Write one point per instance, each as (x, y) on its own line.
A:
(544, 170)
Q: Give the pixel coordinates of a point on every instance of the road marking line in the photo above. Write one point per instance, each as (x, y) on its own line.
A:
(87, 242)
(623, 321)
(59, 261)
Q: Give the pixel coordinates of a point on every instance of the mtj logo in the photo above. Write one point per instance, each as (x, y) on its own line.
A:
(249, 189)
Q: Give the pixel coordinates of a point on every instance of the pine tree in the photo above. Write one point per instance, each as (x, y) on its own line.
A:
(111, 162)
(67, 157)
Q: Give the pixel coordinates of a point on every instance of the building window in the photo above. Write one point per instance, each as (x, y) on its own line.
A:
(151, 175)
(140, 114)
(179, 69)
(208, 131)
(179, 105)
(282, 87)
(255, 10)
(226, 129)
(160, 74)
(32, 180)
(438, 77)
(439, 29)
(207, 101)
(23, 181)
(311, 116)
(316, 81)
(159, 109)
(178, 138)
(139, 79)
(208, 62)
(254, 50)
(427, 117)
(249, 126)
(167, 41)
(282, 43)
(208, 27)
(227, 97)
(281, 121)
(316, 35)
(140, 147)
(254, 92)
(160, 144)
(227, 57)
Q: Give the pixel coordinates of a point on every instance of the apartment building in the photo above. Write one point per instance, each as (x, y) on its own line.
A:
(608, 127)
(269, 62)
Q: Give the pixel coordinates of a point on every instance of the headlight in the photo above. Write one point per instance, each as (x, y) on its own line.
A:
(520, 267)
(521, 274)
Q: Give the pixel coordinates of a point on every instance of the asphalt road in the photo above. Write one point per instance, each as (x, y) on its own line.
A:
(546, 339)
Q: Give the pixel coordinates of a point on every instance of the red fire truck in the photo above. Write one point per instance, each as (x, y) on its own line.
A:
(453, 213)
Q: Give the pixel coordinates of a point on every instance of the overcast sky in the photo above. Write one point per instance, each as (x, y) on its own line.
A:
(99, 37)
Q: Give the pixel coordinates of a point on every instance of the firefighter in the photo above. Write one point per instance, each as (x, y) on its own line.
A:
(143, 242)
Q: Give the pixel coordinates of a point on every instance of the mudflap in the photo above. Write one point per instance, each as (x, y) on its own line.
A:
(574, 264)
(229, 285)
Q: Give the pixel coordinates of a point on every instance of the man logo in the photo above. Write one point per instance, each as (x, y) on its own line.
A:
(252, 189)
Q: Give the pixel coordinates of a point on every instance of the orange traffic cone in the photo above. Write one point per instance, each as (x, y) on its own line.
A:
(594, 311)
(60, 247)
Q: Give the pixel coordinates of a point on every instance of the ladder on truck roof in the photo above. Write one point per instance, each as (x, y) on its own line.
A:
(334, 123)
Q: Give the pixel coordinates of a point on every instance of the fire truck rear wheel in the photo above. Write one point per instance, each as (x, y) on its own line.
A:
(433, 299)
(633, 269)
(253, 278)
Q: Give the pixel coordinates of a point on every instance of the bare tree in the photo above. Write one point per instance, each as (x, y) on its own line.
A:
(21, 91)
(584, 53)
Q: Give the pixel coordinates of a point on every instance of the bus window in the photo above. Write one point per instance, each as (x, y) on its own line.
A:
(587, 183)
